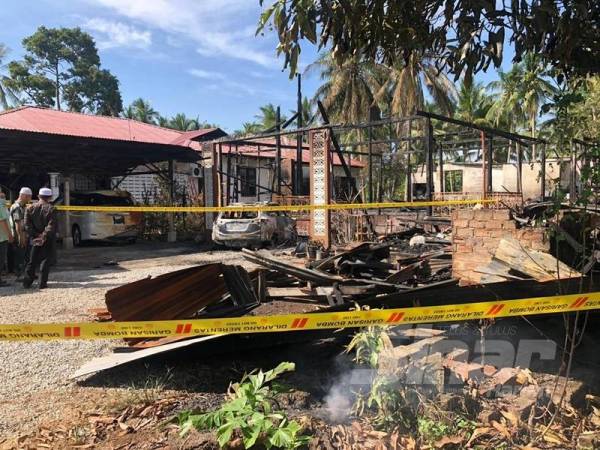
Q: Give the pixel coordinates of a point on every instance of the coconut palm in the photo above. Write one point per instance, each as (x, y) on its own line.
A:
(508, 105)
(307, 111)
(535, 89)
(142, 110)
(407, 83)
(183, 123)
(162, 121)
(348, 89)
(473, 103)
(267, 117)
(8, 97)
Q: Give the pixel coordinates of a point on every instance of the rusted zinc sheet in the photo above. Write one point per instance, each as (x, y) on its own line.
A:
(174, 295)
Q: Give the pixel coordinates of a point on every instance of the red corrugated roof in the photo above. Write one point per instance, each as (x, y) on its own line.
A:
(44, 120)
(286, 153)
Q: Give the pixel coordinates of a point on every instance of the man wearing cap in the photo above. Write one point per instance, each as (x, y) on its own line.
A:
(40, 225)
(6, 236)
(17, 220)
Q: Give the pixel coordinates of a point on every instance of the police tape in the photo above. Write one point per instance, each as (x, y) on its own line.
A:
(272, 208)
(300, 322)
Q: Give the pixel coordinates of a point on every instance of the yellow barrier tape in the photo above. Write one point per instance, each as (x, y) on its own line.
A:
(271, 208)
(299, 322)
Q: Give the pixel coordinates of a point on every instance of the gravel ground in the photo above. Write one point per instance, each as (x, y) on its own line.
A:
(34, 372)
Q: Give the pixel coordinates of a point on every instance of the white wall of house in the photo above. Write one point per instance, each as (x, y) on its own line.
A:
(504, 177)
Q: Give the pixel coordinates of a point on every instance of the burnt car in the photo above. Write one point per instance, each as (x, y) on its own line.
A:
(252, 229)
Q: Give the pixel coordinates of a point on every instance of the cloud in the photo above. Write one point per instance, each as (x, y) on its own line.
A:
(206, 74)
(220, 82)
(117, 34)
(217, 27)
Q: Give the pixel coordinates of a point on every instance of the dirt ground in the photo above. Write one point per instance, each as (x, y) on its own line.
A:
(37, 398)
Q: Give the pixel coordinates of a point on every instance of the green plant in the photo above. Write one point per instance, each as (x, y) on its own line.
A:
(432, 430)
(368, 344)
(250, 413)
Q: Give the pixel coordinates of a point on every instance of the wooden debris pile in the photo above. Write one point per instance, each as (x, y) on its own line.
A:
(401, 262)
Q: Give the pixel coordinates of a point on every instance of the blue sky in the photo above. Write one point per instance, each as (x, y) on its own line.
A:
(199, 57)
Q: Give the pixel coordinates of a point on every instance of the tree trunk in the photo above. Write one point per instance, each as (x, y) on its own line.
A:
(533, 130)
(57, 89)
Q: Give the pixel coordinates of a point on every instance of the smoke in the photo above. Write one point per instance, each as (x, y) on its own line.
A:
(343, 393)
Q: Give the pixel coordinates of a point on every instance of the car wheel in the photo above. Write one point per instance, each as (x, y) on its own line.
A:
(76, 233)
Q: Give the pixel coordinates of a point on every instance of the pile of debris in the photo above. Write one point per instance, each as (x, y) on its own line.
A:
(404, 261)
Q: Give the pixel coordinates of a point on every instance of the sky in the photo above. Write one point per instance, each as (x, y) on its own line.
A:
(199, 57)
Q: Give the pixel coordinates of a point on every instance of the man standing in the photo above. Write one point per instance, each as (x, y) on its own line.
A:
(40, 225)
(17, 219)
(6, 236)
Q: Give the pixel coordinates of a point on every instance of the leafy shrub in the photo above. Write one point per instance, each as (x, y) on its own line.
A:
(249, 413)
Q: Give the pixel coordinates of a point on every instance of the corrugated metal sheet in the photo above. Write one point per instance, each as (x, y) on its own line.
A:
(43, 120)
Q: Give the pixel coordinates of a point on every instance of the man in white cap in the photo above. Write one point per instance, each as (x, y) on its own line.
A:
(17, 219)
(40, 225)
(6, 236)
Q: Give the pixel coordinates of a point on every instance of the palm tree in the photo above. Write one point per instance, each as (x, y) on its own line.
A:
(521, 92)
(406, 84)
(473, 103)
(535, 89)
(162, 121)
(347, 89)
(268, 116)
(307, 111)
(507, 106)
(128, 113)
(143, 111)
(183, 123)
(8, 96)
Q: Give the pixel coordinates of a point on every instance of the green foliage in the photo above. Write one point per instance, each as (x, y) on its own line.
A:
(466, 36)
(61, 65)
(367, 344)
(250, 414)
(8, 96)
(432, 430)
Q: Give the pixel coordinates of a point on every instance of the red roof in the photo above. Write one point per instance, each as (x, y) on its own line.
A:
(44, 120)
(286, 153)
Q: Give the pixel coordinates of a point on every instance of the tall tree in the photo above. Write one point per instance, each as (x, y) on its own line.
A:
(268, 116)
(8, 96)
(406, 83)
(62, 66)
(141, 110)
(473, 103)
(183, 123)
(535, 89)
(347, 90)
(308, 113)
(467, 35)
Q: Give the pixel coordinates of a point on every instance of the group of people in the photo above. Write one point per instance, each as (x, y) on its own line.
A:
(28, 231)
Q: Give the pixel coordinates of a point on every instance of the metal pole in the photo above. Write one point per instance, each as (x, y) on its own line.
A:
(408, 167)
(299, 171)
(519, 168)
(442, 188)
(171, 235)
(429, 155)
(220, 175)
(490, 166)
(257, 168)
(483, 161)
(370, 133)
(573, 179)
(278, 153)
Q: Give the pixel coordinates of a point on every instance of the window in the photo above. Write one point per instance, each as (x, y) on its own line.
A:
(453, 181)
(247, 177)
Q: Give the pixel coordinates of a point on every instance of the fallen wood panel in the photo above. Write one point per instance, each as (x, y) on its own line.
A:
(538, 265)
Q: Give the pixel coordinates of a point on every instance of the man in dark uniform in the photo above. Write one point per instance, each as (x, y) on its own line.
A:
(40, 224)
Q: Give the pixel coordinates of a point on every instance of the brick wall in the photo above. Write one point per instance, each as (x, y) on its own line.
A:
(475, 237)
